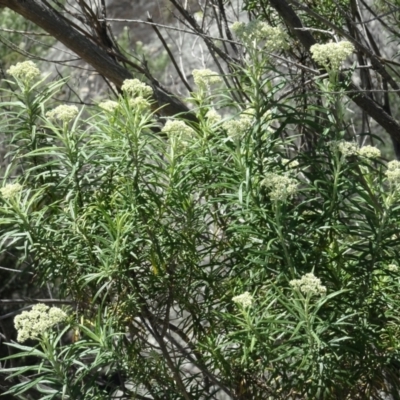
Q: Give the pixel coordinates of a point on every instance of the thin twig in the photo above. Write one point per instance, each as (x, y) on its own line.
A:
(13, 313)
(24, 32)
(171, 56)
(35, 301)
(172, 28)
(378, 16)
(314, 30)
(15, 270)
(30, 56)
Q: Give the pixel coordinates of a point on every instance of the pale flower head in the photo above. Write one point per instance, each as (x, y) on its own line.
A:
(273, 38)
(393, 268)
(135, 87)
(109, 105)
(393, 172)
(32, 324)
(24, 71)
(393, 176)
(331, 55)
(179, 133)
(281, 187)
(237, 127)
(308, 284)
(213, 117)
(204, 78)
(347, 148)
(177, 128)
(63, 112)
(10, 190)
(393, 165)
(245, 299)
(369, 152)
(139, 103)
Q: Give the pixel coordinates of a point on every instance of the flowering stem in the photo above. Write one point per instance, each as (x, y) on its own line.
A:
(281, 238)
(308, 322)
(49, 351)
(337, 171)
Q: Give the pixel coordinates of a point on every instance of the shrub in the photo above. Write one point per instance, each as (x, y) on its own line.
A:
(204, 257)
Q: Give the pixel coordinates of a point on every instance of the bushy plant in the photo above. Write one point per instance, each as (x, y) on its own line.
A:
(205, 258)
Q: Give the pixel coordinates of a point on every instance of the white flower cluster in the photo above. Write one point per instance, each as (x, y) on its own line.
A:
(331, 55)
(139, 103)
(213, 117)
(24, 71)
(393, 267)
(245, 299)
(281, 187)
(10, 190)
(204, 78)
(347, 148)
(369, 152)
(109, 105)
(179, 133)
(177, 128)
(135, 87)
(64, 113)
(32, 324)
(351, 149)
(393, 172)
(308, 283)
(236, 127)
(274, 38)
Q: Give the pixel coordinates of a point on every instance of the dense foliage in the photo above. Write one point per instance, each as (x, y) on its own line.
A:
(203, 257)
(248, 250)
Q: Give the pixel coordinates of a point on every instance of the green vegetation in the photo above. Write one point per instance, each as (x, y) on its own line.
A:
(275, 268)
(249, 250)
